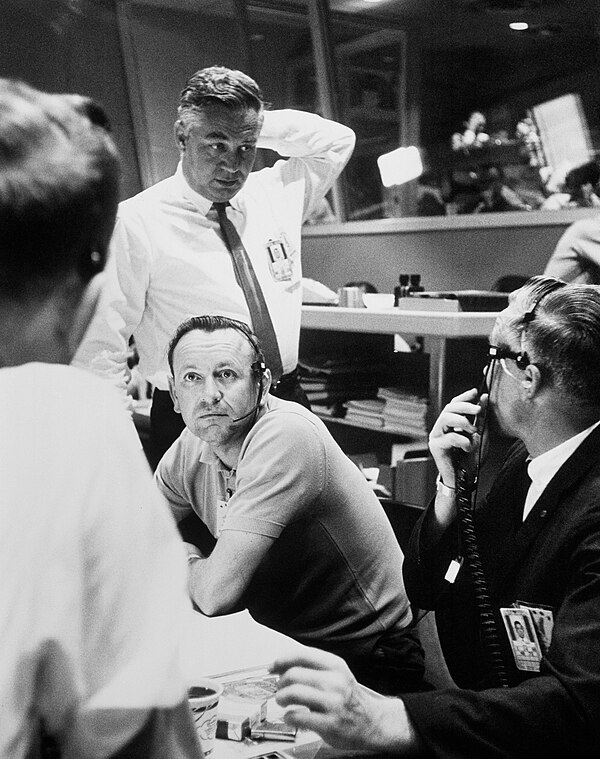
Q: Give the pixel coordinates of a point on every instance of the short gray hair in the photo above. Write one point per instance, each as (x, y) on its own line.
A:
(217, 84)
(559, 327)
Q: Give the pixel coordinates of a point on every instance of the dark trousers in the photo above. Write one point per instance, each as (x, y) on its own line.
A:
(395, 665)
(166, 424)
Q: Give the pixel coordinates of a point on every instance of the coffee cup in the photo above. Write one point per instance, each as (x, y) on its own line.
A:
(350, 297)
(203, 697)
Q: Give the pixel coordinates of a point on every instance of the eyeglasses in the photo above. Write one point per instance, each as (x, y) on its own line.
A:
(505, 368)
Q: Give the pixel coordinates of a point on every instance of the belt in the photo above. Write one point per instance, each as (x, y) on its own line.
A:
(291, 379)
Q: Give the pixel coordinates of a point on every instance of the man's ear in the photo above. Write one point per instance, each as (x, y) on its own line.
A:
(179, 135)
(532, 381)
(173, 394)
(85, 310)
(265, 384)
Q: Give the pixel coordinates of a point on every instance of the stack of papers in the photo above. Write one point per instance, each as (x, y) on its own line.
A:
(329, 381)
(235, 649)
(367, 412)
(403, 412)
(232, 643)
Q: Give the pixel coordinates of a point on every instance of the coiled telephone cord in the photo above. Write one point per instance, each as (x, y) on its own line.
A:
(464, 489)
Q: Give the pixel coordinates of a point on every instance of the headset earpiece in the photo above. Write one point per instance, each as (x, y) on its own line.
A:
(258, 369)
(522, 361)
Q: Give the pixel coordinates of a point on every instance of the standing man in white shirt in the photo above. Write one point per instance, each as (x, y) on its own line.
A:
(170, 259)
(93, 593)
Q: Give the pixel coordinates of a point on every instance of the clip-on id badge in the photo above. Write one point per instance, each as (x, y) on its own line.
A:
(279, 262)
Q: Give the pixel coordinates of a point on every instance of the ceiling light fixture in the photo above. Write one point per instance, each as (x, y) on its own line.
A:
(519, 26)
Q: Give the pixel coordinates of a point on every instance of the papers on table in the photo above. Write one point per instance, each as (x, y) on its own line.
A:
(235, 646)
(233, 643)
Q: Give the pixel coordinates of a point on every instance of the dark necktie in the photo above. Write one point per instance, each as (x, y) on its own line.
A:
(247, 280)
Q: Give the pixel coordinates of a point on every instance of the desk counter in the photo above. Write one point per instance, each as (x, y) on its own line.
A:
(389, 321)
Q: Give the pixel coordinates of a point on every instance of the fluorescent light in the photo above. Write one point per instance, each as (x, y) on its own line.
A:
(519, 26)
(400, 165)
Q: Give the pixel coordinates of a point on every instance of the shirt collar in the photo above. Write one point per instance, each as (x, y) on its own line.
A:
(199, 201)
(542, 468)
(208, 456)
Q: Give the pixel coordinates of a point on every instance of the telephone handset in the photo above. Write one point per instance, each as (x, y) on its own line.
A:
(466, 493)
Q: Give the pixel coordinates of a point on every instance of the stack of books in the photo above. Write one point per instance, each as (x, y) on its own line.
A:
(328, 383)
(367, 413)
(403, 412)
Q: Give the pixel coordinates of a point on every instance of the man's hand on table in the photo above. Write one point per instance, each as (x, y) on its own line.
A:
(322, 695)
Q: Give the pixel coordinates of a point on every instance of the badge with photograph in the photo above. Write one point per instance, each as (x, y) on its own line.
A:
(522, 637)
(279, 261)
(543, 619)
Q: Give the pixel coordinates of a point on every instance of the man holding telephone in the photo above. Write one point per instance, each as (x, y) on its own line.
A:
(537, 556)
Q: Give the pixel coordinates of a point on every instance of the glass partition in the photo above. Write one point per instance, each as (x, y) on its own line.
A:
(505, 120)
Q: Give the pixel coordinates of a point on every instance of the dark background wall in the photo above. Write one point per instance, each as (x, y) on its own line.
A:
(72, 47)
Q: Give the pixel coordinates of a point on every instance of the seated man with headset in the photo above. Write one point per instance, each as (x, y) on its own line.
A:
(276, 518)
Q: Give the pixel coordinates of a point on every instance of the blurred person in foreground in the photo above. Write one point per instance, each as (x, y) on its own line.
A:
(538, 533)
(92, 599)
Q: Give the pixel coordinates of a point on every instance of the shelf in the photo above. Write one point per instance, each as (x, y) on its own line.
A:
(367, 426)
(392, 321)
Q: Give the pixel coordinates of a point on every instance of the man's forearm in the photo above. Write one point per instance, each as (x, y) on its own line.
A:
(210, 597)
(301, 134)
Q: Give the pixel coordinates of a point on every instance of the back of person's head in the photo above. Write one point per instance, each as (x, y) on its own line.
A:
(59, 186)
(363, 285)
(558, 326)
(217, 84)
(586, 173)
(212, 323)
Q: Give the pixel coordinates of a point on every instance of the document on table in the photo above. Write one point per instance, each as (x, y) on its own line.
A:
(232, 643)
(235, 646)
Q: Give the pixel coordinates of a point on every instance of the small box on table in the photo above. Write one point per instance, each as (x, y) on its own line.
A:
(242, 706)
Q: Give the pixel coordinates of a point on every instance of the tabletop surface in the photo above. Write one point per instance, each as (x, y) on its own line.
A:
(448, 324)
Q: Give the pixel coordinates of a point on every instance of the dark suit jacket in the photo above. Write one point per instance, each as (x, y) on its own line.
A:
(551, 559)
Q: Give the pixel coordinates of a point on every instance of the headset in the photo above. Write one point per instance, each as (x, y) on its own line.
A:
(258, 370)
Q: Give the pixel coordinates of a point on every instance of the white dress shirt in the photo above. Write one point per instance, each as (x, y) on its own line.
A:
(169, 262)
(542, 468)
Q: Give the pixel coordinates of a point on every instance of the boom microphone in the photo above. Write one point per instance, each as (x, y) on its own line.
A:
(258, 368)
(252, 411)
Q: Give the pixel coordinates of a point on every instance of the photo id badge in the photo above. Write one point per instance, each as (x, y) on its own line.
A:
(543, 619)
(522, 637)
(279, 261)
